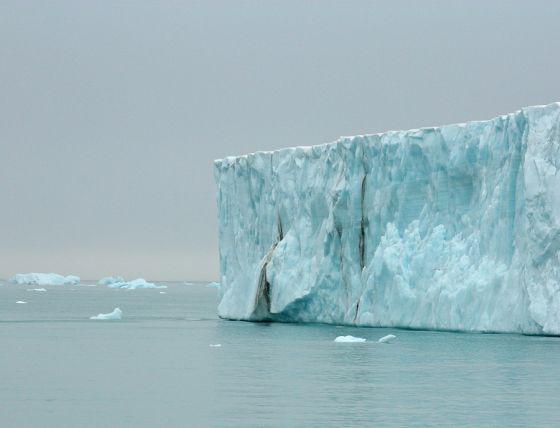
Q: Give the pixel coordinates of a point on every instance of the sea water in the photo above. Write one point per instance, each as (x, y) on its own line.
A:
(160, 366)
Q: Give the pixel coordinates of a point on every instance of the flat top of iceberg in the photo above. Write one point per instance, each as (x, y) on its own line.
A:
(232, 159)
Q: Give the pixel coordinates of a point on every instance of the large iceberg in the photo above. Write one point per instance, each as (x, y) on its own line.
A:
(44, 279)
(132, 285)
(454, 228)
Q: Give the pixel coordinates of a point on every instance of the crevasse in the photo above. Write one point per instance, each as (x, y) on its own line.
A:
(452, 228)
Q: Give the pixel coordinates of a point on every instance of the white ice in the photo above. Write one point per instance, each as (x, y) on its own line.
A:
(21, 302)
(217, 345)
(115, 315)
(349, 339)
(454, 228)
(388, 338)
(44, 279)
(133, 285)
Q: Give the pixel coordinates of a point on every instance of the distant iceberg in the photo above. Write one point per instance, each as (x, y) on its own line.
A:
(450, 228)
(349, 339)
(44, 279)
(115, 315)
(213, 285)
(21, 302)
(110, 280)
(133, 285)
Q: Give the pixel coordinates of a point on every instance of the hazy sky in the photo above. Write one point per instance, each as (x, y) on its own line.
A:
(112, 112)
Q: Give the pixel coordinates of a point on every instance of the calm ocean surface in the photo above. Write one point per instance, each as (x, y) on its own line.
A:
(156, 367)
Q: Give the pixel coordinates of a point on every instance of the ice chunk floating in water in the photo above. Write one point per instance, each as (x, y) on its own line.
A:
(115, 315)
(349, 339)
(456, 227)
(44, 279)
(133, 285)
(387, 339)
(21, 302)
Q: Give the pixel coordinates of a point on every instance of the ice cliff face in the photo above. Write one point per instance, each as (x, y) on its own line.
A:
(456, 228)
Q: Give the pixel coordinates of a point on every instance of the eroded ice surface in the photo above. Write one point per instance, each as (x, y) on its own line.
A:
(44, 279)
(115, 315)
(456, 227)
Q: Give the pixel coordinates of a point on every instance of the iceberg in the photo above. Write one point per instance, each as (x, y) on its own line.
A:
(387, 339)
(349, 339)
(110, 280)
(44, 279)
(213, 285)
(446, 228)
(133, 285)
(115, 315)
(21, 302)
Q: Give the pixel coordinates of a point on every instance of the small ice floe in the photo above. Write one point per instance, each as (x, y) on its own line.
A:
(349, 339)
(215, 345)
(387, 339)
(110, 280)
(133, 285)
(162, 292)
(39, 289)
(44, 279)
(21, 302)
(213, 285)
(188, 283)
(115, 315)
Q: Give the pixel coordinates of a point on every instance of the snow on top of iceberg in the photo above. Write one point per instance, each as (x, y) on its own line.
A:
(133, 285)
(110, 280)
(229, 160)
(44, 279)
(115, 315)
(349, 339)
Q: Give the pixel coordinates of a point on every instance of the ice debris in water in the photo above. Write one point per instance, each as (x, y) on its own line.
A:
(44, 279)
(133, 285)
(110, 280)
(349, 339)
(387, 338)
(453, 227)
(21, 302)
(162, 292)
(215, 345)
(115, 315)
(36, 289)
(213, 285)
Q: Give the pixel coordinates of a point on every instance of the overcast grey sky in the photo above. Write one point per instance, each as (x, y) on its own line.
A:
(112, 112)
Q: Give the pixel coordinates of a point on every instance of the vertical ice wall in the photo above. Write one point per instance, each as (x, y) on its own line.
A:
(456, 227)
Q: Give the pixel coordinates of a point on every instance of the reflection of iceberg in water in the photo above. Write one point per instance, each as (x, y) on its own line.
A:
(456, 227)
